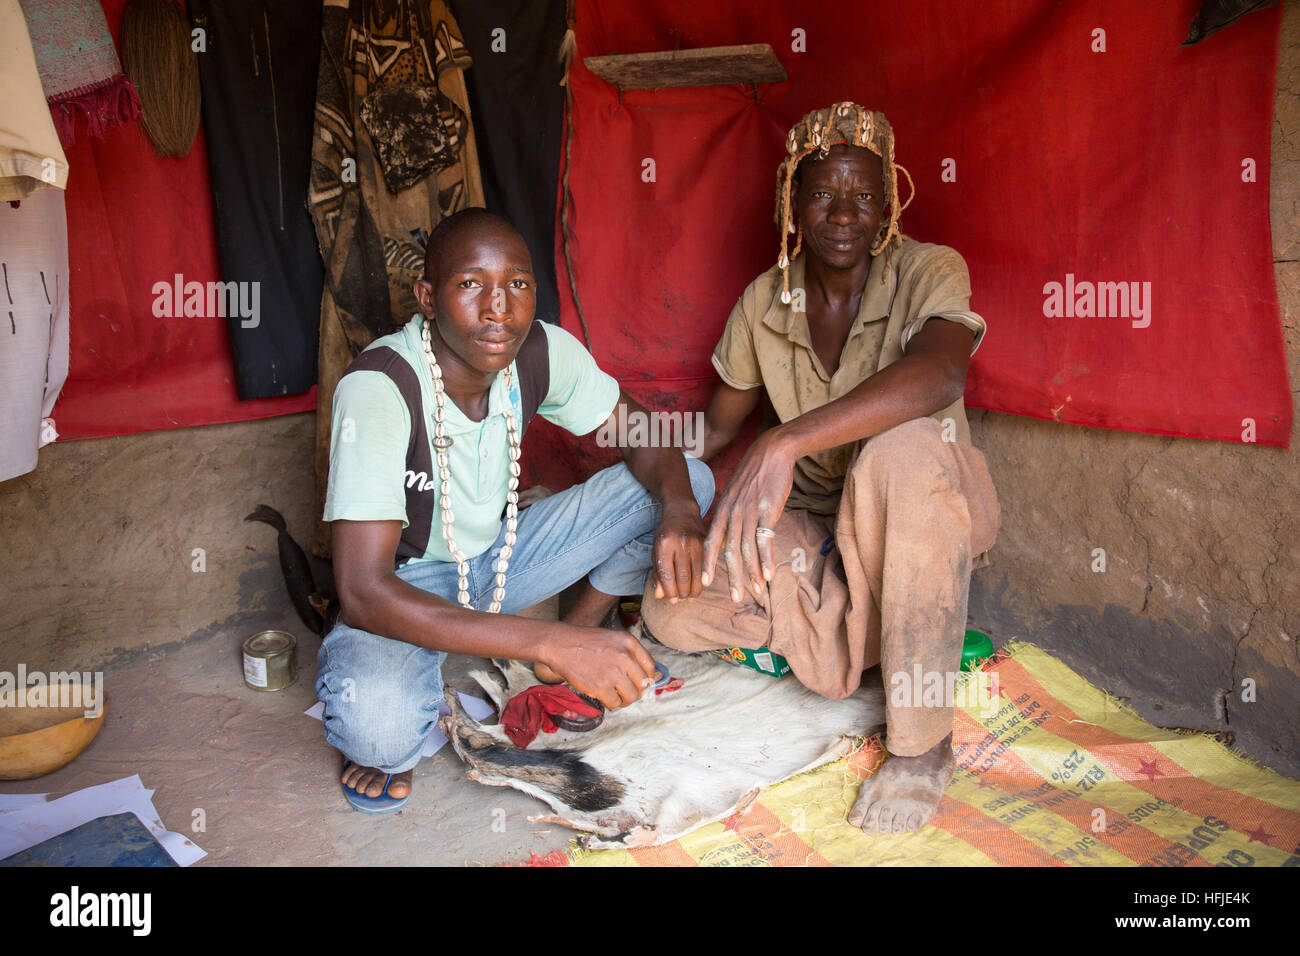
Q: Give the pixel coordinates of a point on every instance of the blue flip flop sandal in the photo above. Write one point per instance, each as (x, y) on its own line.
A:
(380, 804)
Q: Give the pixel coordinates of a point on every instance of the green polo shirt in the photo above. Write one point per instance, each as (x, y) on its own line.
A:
(371, 429)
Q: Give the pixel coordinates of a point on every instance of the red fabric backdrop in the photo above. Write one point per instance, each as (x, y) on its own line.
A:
(1123, 165)
(133, 220)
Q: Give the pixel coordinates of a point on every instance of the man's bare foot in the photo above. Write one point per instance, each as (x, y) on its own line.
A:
(903, 795)
(369, 782)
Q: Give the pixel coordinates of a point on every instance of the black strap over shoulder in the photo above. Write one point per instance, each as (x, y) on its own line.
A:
(421, 479)
(532, 362)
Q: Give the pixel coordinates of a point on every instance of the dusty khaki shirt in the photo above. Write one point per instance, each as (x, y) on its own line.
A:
(768, 343)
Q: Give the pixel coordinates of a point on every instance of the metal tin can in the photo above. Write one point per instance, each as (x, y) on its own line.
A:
(270, 660)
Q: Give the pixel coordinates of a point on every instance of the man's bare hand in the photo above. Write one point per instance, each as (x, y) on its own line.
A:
(610, 666)
(754, 499)
(679, 554)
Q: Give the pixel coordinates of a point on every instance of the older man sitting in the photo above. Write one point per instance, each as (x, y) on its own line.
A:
(850, 529)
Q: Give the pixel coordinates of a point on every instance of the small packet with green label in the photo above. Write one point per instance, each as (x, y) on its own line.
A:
(761, 660)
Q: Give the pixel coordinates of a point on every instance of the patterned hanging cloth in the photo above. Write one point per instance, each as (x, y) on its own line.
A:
(393, 153)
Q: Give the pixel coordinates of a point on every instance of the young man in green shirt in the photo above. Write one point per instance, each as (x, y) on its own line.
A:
(458, 560)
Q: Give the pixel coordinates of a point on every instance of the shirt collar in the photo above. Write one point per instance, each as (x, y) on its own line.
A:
(454, 420)
(874, 306)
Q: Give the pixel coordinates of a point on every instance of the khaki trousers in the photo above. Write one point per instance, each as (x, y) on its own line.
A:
(890, 589)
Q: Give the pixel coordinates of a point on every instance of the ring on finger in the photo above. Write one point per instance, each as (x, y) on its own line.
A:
(764, 532)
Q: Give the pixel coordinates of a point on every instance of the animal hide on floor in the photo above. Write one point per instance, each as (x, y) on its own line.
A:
(670, 763)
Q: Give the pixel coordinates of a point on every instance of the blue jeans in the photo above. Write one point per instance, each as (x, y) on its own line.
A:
(381, 695)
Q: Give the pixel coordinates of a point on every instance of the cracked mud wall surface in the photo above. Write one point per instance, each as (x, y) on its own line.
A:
(1202, 538)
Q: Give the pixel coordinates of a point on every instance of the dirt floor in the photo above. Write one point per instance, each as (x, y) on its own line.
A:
(266, 781)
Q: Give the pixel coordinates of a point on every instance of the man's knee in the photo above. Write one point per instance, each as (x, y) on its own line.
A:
(674, 625)
(618, 483)
(375, 720)
(923, 433)
(381, 696)
(907, 447)
(702, 484)
(707, 622)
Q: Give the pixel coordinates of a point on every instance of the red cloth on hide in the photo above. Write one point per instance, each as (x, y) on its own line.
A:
(134, 220)
(1118, 166)
(529, 712)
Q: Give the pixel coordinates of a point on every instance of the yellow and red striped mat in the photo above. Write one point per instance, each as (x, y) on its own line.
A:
(1051, 772)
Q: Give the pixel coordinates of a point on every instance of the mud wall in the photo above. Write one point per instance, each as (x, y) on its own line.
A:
(1200, 594)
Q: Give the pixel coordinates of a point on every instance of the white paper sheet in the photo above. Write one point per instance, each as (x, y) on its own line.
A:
(474, 706)
(25, 826)
(16, 801)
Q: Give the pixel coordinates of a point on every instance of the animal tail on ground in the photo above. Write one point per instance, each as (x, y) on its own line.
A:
(561, 773)
(317, 608)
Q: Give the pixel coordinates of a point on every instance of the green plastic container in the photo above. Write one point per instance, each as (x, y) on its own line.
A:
(976, 647)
